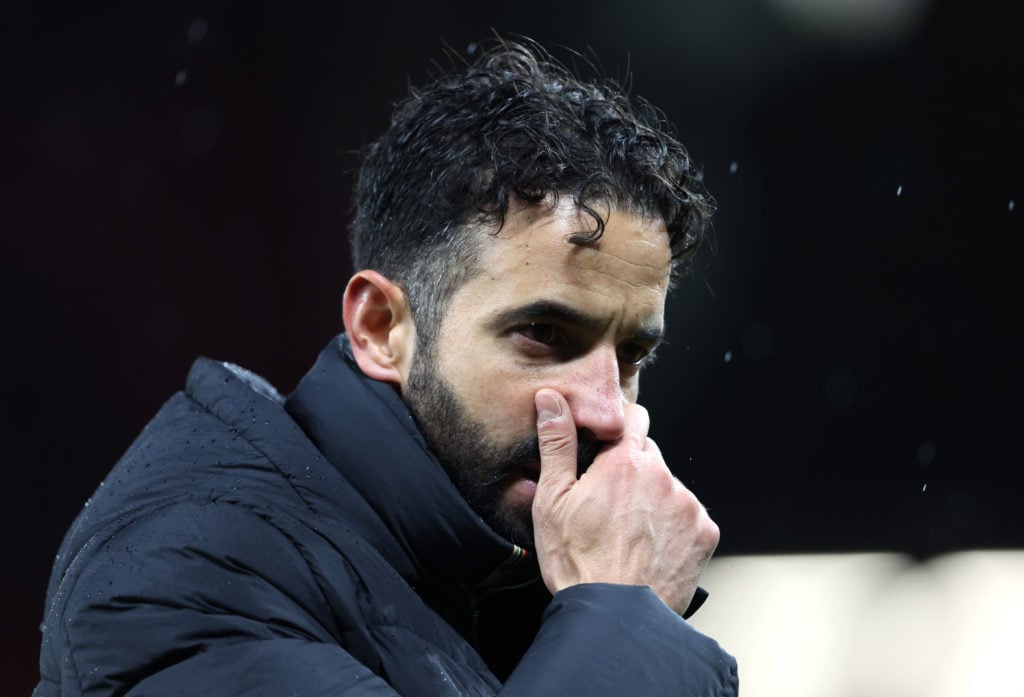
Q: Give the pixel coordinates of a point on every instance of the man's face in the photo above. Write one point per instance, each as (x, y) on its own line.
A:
(542, 312)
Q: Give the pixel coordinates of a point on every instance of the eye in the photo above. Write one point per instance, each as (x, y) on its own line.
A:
(633, 354)
(543, 340)
(547, 334)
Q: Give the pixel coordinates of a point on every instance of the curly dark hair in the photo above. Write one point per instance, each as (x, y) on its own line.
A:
(513, 123)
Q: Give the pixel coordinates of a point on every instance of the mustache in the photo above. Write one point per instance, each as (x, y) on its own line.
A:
(527, 451)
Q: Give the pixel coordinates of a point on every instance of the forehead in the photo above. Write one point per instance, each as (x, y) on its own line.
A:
(623, 273)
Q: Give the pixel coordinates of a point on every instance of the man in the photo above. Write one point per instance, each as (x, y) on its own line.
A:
(460, 497)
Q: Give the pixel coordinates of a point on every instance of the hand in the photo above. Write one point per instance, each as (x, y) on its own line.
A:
(626, 520)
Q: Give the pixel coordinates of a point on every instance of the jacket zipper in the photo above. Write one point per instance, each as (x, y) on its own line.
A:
(488, 586)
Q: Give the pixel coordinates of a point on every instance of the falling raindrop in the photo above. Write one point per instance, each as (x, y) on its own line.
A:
(899, 190)
(728, 356)
(180, 77)
(1011, 205)
(734, 167)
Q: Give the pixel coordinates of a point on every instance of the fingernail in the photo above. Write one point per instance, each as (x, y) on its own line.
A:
(547, 407)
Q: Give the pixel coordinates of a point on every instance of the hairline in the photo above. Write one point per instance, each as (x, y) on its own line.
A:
(473, 236)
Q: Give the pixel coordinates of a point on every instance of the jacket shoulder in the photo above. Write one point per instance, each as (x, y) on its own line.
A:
(197, 574)
(205, 576)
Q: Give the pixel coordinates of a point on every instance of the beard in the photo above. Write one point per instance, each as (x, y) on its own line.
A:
(478, 465)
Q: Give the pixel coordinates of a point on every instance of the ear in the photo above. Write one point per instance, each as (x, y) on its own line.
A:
(379, 325)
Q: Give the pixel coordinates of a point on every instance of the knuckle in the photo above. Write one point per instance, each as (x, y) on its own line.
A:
(686, 498)
(634, 459)
(712, 532)
(631, 407)
(678, 486)
(707, 536)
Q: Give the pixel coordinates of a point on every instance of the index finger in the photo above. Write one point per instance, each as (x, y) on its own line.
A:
(638, 423)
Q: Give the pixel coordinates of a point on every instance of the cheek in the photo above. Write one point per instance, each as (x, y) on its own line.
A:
(506, 406)
(493, 388)
(503, 403)
(491, 391)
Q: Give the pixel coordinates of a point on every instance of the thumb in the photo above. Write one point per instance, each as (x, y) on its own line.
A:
(556, 434)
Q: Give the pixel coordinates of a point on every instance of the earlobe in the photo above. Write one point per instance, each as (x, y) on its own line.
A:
(379, 327)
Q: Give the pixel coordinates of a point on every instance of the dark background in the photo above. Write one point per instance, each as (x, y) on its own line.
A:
(845, 374)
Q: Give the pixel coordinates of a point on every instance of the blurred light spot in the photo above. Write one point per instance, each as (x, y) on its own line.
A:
(806, 601)
(1010, 207)
(875, 625)
(180, 77)
(728, 356)
(840, 388)
(758, 341)
(860, 22)
(197, 30)
(926, 453)
(899, 190)
(924, 488)
(734, 167)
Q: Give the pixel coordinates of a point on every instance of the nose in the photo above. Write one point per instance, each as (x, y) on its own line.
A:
(596, 395)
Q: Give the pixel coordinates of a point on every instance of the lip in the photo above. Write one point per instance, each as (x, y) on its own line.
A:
(522, 484)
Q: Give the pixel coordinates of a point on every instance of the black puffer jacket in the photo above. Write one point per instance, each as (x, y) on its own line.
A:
(250, 545)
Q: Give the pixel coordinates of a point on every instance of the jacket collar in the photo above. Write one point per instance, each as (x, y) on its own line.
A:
(366, 431)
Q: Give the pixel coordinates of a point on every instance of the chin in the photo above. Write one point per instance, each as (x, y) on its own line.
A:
(513, 517)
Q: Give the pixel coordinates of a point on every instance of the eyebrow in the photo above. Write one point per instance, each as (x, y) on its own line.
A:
(548, 310)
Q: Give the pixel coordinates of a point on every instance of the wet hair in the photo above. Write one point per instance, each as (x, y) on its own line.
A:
(513, 124)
